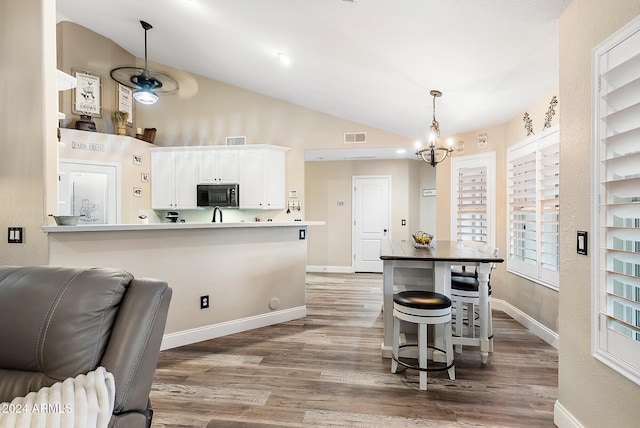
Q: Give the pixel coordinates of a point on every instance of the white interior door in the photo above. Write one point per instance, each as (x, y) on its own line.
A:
(371, 204)
(89, 189)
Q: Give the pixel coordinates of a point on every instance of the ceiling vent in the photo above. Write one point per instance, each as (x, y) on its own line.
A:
(236, 141)
(355, 137)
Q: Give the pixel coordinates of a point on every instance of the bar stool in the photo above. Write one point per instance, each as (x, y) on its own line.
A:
(465, 294)
(423, 308)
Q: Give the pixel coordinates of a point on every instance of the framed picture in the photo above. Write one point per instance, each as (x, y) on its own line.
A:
(144, 177)
(125, 102)
(137, 159)
(87, 95)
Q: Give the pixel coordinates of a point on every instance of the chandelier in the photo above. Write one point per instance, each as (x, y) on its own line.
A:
(435, 152)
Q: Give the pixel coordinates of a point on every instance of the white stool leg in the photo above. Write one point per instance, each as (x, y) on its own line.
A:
(422, 354)
(459, 323)
(459, 319)
(490, 328)
(396, 344)
(471, 320)
(449, 340)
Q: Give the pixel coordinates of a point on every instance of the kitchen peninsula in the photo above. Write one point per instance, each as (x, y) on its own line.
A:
(253, 273)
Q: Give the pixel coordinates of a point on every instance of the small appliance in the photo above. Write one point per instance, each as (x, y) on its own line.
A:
(218, 195)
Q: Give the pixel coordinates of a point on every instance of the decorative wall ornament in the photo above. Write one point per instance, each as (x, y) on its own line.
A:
(482, 140)
(550, 113)
(528, 125)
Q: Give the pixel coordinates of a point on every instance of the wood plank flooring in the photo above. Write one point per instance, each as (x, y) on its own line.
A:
(326, 370)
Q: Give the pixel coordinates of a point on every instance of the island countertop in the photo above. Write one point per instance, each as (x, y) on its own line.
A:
(178, 226)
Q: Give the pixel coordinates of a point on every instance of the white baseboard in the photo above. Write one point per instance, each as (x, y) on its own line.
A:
(330, 269)
(543, 332)
(562, 418)
(186, 337)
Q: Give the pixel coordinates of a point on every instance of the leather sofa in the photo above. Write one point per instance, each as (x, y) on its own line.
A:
(59, 322)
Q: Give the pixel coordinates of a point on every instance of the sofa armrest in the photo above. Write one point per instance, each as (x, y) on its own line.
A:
(132, 352)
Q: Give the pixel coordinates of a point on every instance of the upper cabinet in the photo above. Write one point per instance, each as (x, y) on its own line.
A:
(64, 82)
(174, 179)
(259, 170)
(218, 166)
(262, 179)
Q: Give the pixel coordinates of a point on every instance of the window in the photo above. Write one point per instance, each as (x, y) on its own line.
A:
(615, 276)
(473, 196)
(534, 210)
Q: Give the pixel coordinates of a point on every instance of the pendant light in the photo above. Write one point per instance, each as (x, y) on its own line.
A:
(435, 152)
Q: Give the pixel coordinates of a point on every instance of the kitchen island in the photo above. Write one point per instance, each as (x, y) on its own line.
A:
(253, 273)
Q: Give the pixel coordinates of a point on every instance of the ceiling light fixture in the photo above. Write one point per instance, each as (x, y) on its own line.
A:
(147, 84)
(435, 147)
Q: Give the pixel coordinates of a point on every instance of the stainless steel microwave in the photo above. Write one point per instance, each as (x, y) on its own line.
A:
(218, 195)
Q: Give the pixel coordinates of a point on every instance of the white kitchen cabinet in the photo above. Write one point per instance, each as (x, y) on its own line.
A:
(174, 179)
(63, 83)
(218, 166)
(262, 179)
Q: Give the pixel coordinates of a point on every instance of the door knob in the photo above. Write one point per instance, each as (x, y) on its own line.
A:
(384, 230)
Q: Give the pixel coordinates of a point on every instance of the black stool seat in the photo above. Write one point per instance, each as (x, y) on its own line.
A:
(422, 300)
(466, 284)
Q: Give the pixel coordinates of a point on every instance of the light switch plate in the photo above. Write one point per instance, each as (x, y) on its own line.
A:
(581, 243)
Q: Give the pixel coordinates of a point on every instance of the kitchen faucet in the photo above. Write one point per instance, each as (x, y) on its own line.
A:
(216, 209)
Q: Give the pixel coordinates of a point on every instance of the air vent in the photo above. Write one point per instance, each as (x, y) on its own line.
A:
(355, 137)
(236, 141)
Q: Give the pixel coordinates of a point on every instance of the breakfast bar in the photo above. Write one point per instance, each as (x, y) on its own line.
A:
(226, 277)
(435, 261)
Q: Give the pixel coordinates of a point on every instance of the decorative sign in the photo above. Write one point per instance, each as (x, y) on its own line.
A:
(459, 148)
(428, 192)
(144, 177)
(87, 146)
(125, 102)
(137, 192)
(137, 159)
(87, 95)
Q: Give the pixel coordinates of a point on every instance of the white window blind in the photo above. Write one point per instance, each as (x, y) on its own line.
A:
(534, 209)
(472, 204)
(473, 190)
(616, 190)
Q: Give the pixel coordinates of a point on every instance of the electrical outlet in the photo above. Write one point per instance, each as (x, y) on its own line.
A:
(204, 302)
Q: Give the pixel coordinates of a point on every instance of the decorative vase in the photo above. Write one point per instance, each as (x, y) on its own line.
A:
(122, 129)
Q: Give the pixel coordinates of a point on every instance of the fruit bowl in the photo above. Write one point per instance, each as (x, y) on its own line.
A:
(422, 239)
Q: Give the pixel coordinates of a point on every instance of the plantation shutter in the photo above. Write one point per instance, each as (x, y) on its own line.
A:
(533, 189)
(472, 204)
(616, 144)
(549, 185)
(473, 188)
(523, 245)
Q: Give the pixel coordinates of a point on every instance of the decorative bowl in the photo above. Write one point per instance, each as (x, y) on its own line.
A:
(66, 220)
(422, 239)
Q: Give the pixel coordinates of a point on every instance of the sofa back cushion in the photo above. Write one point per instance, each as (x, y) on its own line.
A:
(56, 322)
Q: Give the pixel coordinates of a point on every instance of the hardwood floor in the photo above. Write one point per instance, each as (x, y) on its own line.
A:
(326, 371)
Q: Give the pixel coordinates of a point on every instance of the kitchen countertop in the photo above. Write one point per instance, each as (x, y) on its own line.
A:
(177, 226)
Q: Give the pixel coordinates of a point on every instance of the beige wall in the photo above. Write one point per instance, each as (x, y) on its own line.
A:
(27, 125)
(81, 49)
(330, 182)
(593, 393)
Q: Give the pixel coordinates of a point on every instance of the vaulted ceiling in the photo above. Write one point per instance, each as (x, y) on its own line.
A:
(370, 61)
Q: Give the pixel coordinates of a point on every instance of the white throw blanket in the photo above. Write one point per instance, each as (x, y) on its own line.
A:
(84, 401)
